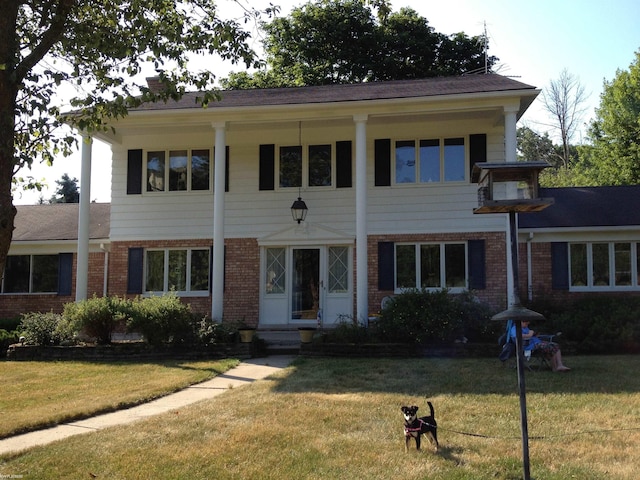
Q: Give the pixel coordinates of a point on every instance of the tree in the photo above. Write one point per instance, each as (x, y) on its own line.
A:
(614, 158)
(98, 48)
(342, 41)
(564, 100)
(67, 191)
(533, 146)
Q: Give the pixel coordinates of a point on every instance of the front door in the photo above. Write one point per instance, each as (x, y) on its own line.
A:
(303, 283)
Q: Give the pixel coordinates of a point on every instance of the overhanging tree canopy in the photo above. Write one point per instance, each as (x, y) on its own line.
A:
(97, 49)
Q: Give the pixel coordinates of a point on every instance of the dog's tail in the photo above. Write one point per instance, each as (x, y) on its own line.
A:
(430, 408)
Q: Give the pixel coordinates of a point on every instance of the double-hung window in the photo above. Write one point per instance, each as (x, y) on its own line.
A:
(431, 265)
(311, 169)
(430, 160)
(178, 170)
(31, 274)
(181, 270)
(604, 265)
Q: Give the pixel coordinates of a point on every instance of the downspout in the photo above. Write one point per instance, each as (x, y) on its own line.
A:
(105, 278)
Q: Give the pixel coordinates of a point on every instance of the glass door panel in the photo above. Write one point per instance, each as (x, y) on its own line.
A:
(305, 295)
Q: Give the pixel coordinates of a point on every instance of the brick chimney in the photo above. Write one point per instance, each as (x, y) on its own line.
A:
(154, 84)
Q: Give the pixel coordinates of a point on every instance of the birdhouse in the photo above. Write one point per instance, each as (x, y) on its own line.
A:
(509, 187)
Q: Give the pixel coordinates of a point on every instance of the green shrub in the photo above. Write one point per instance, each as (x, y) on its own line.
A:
(209, 332)
(348, 330)
(96, 317)
(6, 339)
(41, 328)
(422, 316)
(9, 324)
(599, 324)
(162, 320)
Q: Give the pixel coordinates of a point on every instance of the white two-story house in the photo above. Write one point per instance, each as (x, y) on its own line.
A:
(202, 201)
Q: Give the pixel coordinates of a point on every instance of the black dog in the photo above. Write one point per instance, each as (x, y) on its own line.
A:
(415, 427)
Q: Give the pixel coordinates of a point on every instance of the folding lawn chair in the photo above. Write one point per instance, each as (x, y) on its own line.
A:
(532, 358)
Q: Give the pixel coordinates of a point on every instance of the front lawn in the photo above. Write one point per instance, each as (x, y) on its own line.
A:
(336, 418)
(37, 394)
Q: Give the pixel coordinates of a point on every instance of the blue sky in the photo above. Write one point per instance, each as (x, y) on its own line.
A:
(534, 40)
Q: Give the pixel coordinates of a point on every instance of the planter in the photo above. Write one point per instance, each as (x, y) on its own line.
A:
(246, 334)
(306, 334)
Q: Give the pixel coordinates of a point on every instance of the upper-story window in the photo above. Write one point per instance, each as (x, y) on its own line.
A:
(310, 170)
(430, 160)
(178, 170)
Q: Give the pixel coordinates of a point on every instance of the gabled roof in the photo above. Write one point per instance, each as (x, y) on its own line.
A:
(59, 221)
(425, 87)
(587, 207)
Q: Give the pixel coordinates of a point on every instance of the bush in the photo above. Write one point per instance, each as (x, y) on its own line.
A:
(348, 330)
(162, 320)
(7, 338)
(422, 316)
(41, 328)
(209, 332)
(96, 317)
(599, 324)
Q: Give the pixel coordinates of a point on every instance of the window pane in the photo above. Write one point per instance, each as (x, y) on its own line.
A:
(406, 266)
(319, 165)
(623, 263)
(291, 166)
(454, 160)
(600, 256)
(200, 167)
(178, 170)
(430, 266)
(178, 270)
(200, 270)
(578, 253)
(405, 162)
(275, 271)
(455, 265)
(155, 171)
(16, 274)
(429, 160)
(338, 269)
(44, 274)
(155, 271)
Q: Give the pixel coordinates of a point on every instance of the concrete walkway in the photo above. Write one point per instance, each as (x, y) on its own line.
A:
(246, 372)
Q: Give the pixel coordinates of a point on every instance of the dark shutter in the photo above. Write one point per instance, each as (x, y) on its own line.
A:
(386, 266)
(477, 267)
(560, 265)
(477, 150)
(226, 168)
(134, 270)
(65, 273)
(267, 166)
(134, 172)
(343, 164)
(382, 154)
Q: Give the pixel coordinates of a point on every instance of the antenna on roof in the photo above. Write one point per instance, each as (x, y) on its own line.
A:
(485, 48)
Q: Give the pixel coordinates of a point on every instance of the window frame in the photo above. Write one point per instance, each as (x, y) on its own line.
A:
(442, 264)
(167, 174)
(305, 159)
(612, 266)
(187, 267)
(32, 265)
(419, 162)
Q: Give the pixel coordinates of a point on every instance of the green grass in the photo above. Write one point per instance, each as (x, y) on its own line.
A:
(340, 419)
(37, 394)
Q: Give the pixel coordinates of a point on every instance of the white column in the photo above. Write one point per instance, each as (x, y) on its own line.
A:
(362, 260)
(510, 136)
(82, 260)
(510, 155)
(217, 277)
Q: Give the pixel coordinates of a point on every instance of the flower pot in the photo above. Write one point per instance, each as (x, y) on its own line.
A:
(306, 334)
(246, 334)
